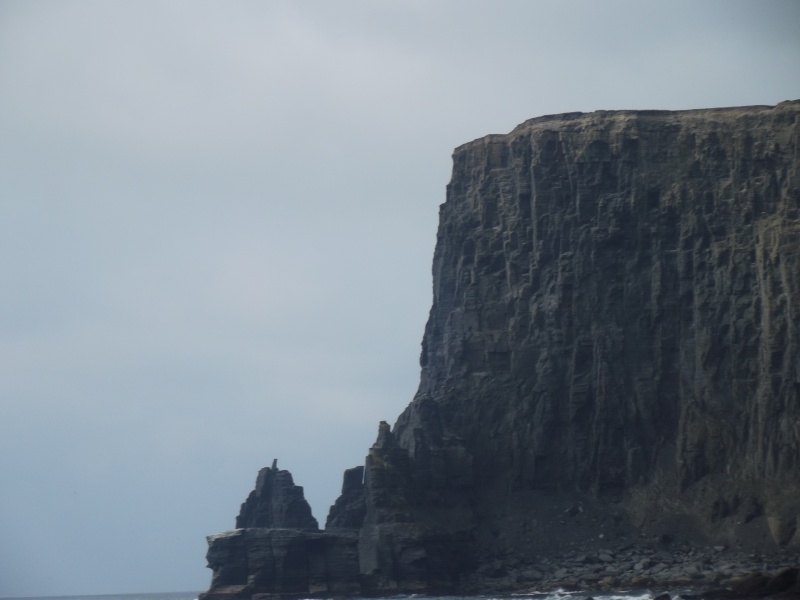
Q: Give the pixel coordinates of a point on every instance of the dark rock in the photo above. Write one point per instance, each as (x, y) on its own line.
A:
(350, 509)
(417, 531)
(253, 561)
(785, 581)
(666, 538)
(532, 574)
(277, 548)
(227, 558)
(606, 558)
(785, 585)
(276, 502)
(751, 508)
(573, 510)
(600, 290)
(616, 299)
(641, 582)
(609, 582)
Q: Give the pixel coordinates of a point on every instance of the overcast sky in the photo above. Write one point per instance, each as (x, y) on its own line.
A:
(217, 221)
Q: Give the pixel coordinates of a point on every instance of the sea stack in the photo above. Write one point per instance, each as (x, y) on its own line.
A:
(611, 362)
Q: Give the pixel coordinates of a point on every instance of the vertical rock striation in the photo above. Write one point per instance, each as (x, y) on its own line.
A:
(617, 302)
(277, 548)
(617, 310)
(276, 503)
(613, 350)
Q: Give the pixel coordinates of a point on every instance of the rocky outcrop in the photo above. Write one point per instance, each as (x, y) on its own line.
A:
(349, 510)
(612, 356)
(278, 549)
(417, 529)
(276, 503)
(252, 561)
(784, 585)
(616, 319)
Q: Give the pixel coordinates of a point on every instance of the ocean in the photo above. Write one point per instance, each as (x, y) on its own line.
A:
(154, 596)
(557, 595)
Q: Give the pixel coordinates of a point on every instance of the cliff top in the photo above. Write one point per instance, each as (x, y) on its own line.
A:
(582, 120)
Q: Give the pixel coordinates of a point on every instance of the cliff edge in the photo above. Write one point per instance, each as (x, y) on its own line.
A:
(612, 358)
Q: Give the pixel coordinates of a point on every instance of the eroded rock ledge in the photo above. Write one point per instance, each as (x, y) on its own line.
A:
(278, 549)
(612, 360)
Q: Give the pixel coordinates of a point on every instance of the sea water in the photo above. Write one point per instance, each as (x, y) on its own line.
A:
(154, 596)
(556, 595)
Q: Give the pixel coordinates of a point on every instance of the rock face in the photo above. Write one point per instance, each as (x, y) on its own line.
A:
(276, 503)
(349, 510)
(612, 354)
(277, 547)
(617, 313)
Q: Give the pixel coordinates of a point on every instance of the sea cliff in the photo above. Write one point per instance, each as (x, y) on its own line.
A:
(611, 368)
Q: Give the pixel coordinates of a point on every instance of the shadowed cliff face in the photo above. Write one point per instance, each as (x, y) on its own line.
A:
(277, 503)
(612, 354)
(617, 304)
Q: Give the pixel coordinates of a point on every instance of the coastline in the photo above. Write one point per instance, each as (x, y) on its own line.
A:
(689, 570)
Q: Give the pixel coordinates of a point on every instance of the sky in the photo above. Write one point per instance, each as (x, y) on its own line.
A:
(217, 221)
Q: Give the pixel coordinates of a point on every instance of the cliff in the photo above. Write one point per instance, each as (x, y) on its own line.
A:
(612, 356)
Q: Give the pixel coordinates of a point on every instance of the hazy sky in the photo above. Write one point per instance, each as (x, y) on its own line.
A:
(216, 227)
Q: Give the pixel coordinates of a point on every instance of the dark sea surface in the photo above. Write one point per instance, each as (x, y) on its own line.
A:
(557, 595)
(154, 596)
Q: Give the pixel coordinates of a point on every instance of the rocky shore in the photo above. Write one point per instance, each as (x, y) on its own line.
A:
(656, 567)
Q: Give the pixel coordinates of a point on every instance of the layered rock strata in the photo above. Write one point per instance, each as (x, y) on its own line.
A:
(277, 547)
(612, 356)
(276, 503)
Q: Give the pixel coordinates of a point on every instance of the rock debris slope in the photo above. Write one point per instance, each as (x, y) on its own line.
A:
(612, 357)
